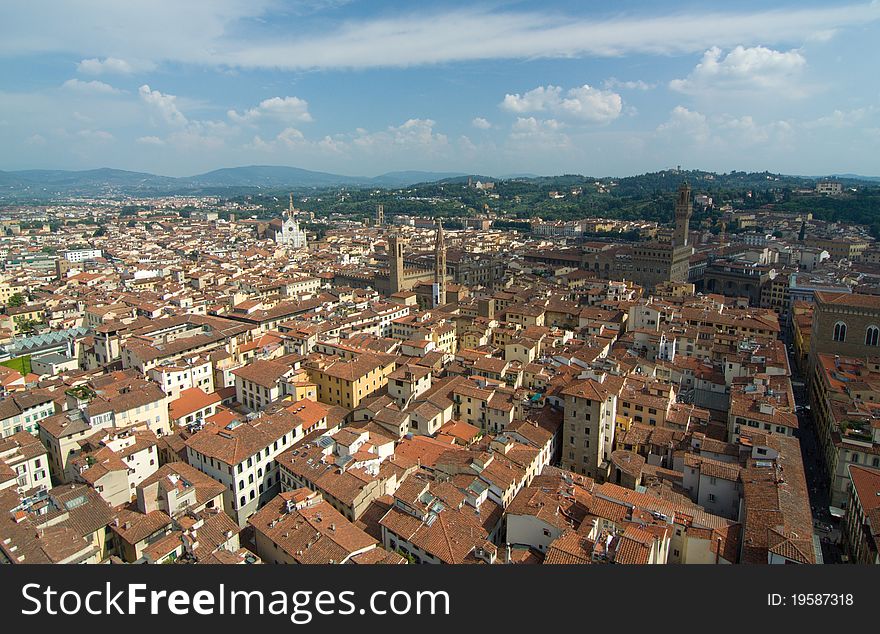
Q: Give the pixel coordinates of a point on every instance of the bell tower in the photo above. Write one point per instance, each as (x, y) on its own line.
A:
(395, 263)
(439, 265)
(683, 210)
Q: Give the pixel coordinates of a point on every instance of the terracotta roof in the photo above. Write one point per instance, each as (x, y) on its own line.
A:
(190, 401)
(316, 534)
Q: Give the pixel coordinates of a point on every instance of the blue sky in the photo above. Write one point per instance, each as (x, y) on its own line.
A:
(180, 87)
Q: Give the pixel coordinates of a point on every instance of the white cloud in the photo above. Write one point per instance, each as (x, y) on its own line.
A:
(480, 123)
(465, 143)
(584, 103)
(100, 136)
(744, 69)
(165, 105)
(95, 87)
(412, 133)
(412, 140)
(212, 33)
(613, 83)
(196, 138)
(333, 145)
(535, 100)
(843, 118)
(35, 139)
(284, 109)
(745, 131)
(187, 134)
(592, 104)
(150, 140)
(531, 125)
(291, 137)
(687, 125)
(106, 66)
(478, 34)
(691, 128)
(257, 143)
(539, 133)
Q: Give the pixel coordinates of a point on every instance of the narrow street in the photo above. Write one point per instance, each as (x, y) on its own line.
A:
(817, 477)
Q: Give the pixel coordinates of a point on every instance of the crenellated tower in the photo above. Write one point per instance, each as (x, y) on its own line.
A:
(395, 263)
(440, 265)
(683, 210)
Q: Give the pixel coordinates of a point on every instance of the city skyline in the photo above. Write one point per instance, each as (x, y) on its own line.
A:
(362, 89)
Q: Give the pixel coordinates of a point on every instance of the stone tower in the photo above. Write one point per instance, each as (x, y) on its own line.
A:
(290, 208)
(380, 216)
(395, 263)
(683, 210)
(440, 265)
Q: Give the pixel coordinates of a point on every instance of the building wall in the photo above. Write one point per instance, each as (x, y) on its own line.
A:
(585, 440)
(114, 488)
(154, 415)
(854, 533)
(255, 397)
(337, 391)
(531, 531)
(32, 472)
(857, 320)
(28, 420)
(252, 482)
(174, 382)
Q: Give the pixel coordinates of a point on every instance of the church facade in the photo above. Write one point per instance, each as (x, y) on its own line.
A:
(288, 233)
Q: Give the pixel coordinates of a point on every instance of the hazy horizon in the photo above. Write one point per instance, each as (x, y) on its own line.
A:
(445, 171)
(362, 89)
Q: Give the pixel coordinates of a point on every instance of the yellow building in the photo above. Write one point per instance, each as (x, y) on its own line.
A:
(8, 288)
(24, 314)
(840, 248)
(346, 382)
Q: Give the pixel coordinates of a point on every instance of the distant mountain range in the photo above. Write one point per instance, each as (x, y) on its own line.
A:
(106, 181)
(48, 184)
(857, 177)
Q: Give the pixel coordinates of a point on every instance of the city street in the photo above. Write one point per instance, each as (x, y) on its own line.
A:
(817, 479)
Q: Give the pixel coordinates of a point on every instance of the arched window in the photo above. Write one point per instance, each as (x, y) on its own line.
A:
(872, 336)
(839, 331)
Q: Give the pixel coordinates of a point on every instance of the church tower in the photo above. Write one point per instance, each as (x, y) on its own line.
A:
(380, 216)
(290, 208)
(439, 266)
(683, 210)
(395, 263)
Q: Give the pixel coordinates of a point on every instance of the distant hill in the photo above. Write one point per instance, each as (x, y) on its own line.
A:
(96, 177)
(268, 176)
(406, 178)
(856, 177)
(519, 175)
(47, 184)
(106, 181)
